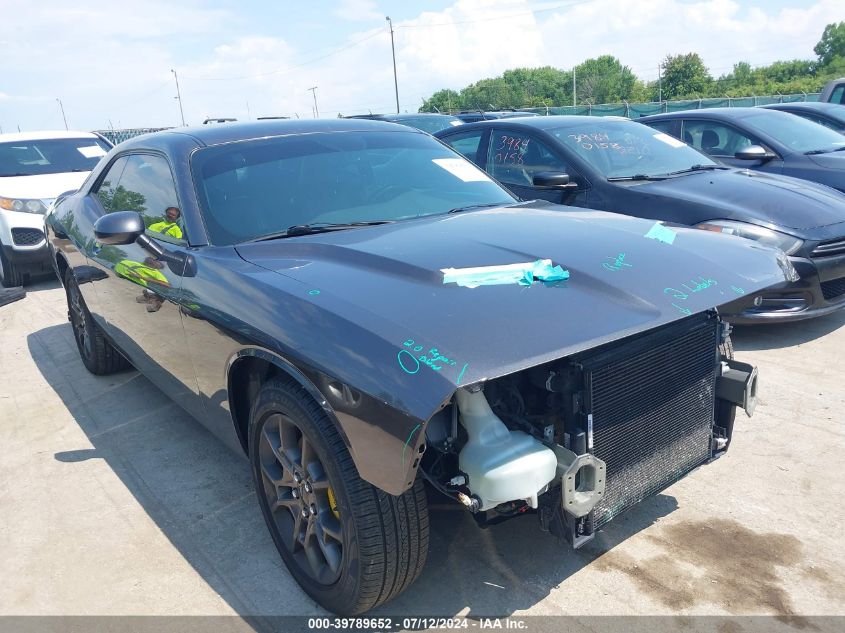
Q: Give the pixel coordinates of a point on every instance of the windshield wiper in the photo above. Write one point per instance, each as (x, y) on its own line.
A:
(20, 173)
(317, 227)
(636, 177)
(484, 205)
(824, 151)
(695, 168)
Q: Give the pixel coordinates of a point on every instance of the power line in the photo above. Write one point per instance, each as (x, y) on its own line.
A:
(289, 68)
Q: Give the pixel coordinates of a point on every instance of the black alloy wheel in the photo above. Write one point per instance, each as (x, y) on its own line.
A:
(300, 498)
(79, 321)
(98, 355)
(349, 545)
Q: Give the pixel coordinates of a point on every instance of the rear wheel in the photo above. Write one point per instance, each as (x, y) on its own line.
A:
(348, 544)
(98, 354)
(10, 274)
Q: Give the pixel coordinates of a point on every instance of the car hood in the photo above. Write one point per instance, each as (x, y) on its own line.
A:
(831, 160)
(42, 186)
(385, 283)
(756, 197)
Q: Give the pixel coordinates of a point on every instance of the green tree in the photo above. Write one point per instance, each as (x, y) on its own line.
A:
(832, 43)
(122, 199)
(442, 101)
(604, 80)
(685, 76)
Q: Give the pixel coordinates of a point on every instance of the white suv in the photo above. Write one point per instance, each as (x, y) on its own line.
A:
(35, 167)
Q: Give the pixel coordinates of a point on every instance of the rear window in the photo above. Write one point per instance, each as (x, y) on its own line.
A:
(264, 186)
(50, 156)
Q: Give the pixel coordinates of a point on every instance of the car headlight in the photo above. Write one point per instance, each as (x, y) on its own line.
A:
(787, 243)
(22, 205)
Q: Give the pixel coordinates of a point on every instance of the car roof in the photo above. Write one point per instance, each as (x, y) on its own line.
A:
(231, 132)
(400, 116)
(43, 135)
(551, 122)
(809, 106)
(725, 114)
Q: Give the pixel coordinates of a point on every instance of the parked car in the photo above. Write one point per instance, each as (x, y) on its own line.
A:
(471, 116)
(834, 91)
(358, 309)
(614, 164)
(427, 122)
(827, 114)
(35, 167)
(762, 140)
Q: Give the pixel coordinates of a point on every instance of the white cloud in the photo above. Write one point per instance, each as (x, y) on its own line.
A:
(110, 61)
(358, 10)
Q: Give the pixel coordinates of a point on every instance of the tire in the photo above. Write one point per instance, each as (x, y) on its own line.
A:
(373, 544)
(98, 354)
(11, 275)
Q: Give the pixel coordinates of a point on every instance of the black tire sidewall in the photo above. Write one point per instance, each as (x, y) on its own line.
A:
(290, 400)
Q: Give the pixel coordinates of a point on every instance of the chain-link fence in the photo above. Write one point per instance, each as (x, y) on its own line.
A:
(636, 110)
(118, 136)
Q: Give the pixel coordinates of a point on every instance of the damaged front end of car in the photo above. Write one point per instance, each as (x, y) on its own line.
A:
(584, 438)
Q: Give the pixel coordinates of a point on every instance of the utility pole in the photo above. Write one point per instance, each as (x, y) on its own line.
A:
(63, 112)
(659, 83)
(178, 97)
(313, 90)
(573, 88)
(393, 50)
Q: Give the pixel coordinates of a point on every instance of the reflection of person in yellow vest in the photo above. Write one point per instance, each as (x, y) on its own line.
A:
(142, 274)
(169, 227)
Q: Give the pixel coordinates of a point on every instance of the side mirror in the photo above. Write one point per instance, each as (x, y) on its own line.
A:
(120, 227)
(553, 180)
(754, 152)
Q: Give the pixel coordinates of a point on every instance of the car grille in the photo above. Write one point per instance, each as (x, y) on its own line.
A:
(826, 249)
(27, 237)
(652, 404)
(833, 288)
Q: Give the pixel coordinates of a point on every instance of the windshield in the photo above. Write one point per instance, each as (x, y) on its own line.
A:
(262, 187)
(795, 132)
(619, 149)
(431, 124)
(50, 156)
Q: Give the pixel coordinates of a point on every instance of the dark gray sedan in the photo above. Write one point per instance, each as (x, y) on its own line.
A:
(620, 165)
(762, 140)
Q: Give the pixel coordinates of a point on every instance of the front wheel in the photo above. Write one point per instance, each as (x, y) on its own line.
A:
(98, 355)
(348, 544)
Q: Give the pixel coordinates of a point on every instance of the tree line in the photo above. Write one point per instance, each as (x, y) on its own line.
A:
(605, 79)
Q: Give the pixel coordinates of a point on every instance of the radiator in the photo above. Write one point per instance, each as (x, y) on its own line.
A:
(649, 404)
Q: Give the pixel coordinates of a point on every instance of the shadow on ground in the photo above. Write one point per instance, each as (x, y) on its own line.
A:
(200, 495)
(763, 337)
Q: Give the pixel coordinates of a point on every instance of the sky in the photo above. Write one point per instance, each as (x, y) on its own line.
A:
(110, 64)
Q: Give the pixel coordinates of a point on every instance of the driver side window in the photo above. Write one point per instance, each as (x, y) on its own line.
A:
(143, 183)
(514, 158)
(715, 139)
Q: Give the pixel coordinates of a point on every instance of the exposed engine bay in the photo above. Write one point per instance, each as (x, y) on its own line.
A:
(582, 439)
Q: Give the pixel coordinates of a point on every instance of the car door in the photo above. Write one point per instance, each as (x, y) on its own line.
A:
(514, 157)
(139, 294)
(721, 142)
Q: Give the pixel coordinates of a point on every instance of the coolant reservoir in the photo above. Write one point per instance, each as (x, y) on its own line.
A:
(501, 465)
